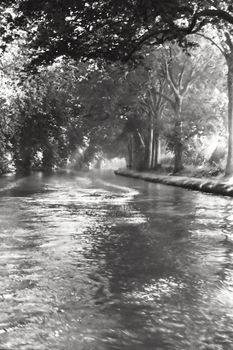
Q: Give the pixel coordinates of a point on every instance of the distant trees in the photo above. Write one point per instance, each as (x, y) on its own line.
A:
(171, 96)
(188, 80)
(223, 40)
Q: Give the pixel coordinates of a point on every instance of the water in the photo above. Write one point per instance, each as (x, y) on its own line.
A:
(102, 262)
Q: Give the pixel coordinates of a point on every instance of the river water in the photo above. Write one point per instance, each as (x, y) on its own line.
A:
(98, 262)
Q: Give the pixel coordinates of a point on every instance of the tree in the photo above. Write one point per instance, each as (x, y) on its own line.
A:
(181, 72)
(10, 63)
(49, 118)
(112, 29)
(223, 40)
(146, 86)
(171, 78)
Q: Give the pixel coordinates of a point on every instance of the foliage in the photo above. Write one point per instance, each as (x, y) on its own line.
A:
(48, 125)
(96, 110)
(111, 29)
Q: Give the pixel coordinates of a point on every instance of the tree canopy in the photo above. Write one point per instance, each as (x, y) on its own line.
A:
(111, 29)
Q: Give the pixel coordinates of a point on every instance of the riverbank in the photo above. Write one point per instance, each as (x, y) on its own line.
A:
(218, 186)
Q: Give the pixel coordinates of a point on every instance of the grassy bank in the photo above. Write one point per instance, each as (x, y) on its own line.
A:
(214, 185)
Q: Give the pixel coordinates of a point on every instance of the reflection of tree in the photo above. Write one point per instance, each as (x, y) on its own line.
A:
(129, 264)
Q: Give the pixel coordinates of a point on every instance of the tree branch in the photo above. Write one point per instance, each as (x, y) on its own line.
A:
(213, 42)
(170, 77)
(180, 79)
(172, 31)
(229, 41)
(165, 97)
(221, 14)
(154, 33)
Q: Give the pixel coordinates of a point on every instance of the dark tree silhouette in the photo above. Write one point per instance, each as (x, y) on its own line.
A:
(112, 29)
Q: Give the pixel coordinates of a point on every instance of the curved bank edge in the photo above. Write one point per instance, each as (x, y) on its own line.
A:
(218, 187)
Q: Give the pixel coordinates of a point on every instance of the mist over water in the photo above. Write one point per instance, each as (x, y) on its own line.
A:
(94, 261)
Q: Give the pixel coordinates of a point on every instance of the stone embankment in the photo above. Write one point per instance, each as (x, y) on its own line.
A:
(222, 186)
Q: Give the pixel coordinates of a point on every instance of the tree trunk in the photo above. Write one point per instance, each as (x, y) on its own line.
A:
(151, 144)
(130, 152)
(48, 159)
(157, 152)
(139, 154)
(178, 147)
(178, 163)
(24, 160)
(229, 165)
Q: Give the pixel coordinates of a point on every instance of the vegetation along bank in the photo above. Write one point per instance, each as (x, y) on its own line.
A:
(215, 186)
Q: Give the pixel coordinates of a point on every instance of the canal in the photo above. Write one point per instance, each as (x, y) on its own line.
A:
(99, 262)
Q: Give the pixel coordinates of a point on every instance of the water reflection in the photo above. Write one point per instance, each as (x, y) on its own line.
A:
(112, 263)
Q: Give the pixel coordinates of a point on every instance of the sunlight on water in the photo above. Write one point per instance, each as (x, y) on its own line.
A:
(156, 290)
(110, 263)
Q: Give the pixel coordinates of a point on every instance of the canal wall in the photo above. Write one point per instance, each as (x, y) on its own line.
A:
(222, 187)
